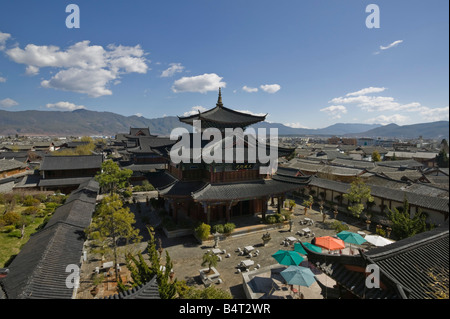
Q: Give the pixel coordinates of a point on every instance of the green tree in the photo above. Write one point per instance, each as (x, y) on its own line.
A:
(357, 194)
(210, 259)
(112, 177)
(403, 225)
(112, 222)
(211, 292)
(442, 159)
(376, 157)
(143, 271)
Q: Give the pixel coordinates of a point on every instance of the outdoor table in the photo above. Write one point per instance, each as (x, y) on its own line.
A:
(247, 263)
(216, 251)
(306, 230)
(291, 239)
(248, 249)
(307, 219)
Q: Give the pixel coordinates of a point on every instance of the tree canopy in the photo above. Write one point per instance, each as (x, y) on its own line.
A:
(357, 194)
(403, 225)
(111, 178)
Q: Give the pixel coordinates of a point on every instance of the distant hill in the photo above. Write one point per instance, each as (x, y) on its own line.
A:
(437, 130)
(85, 122)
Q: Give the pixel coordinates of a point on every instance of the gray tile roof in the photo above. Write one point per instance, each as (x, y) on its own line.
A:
(148, 290)
(51, 163)
(39, 270)
(424, 201)
(10, 164)
(247, 189)
(56, 182)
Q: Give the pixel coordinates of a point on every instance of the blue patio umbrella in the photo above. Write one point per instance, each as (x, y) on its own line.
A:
(287, 257)
(297, 275)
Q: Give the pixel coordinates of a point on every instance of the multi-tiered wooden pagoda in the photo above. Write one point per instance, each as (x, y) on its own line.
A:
(220, 190)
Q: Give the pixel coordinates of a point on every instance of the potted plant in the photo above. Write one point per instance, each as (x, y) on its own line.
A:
(266, 238)
(335, 212)
(388, 231)
(211, 260)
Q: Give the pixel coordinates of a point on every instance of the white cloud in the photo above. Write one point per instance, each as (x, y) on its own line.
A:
(335, 111)
(2, 79)
(138, 114)
(366, 91)
(251, 113)
(436, 114)
(3, 38)
(270, 88)
(174, 68)
(200, 83)
(393, 44)
(8, 102)
(194, 110)
(388, 119)
(376, 103)
(295, 125)
(249, 89)
(82, 68)
(90, 82)
(64, 106)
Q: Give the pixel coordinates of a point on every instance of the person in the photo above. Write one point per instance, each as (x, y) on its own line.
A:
(313, 241)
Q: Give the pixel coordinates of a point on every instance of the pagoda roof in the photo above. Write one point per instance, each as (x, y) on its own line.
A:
(222, 117)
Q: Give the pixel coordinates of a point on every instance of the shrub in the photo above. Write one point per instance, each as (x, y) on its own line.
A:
(15, 233)
(31, 201)
(228, 228)
(203, 231)
(279, 218)
(287, 215)
(218, 229)
(339, 226)
(271, 219)
(9, 228)
(32, 210)
(50, 207)
(11, 218)
(127, 193)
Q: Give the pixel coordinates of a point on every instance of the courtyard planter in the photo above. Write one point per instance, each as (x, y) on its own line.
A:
(208, 276)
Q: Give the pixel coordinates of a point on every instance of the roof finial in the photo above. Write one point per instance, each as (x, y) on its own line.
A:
(219, 101)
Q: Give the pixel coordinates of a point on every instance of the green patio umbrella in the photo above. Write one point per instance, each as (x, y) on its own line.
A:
(298, 248)
(312, 247)
(351, 238)
(287, 257)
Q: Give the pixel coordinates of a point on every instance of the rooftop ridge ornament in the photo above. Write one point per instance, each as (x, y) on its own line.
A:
(219, 100)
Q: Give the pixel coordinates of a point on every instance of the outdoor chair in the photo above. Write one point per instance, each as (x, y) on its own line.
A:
(227, 255)
(224, 251)
(238, 271)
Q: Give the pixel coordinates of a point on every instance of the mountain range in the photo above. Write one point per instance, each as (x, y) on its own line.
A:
(84, 122)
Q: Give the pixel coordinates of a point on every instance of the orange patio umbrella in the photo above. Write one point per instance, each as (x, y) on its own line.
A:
(330, 243)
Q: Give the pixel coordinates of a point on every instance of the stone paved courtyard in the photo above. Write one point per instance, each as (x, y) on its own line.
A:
(186, 252)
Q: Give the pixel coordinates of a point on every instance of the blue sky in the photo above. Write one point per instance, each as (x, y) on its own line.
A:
(308, 63)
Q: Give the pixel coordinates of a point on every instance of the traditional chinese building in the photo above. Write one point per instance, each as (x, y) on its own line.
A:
(223, 189)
